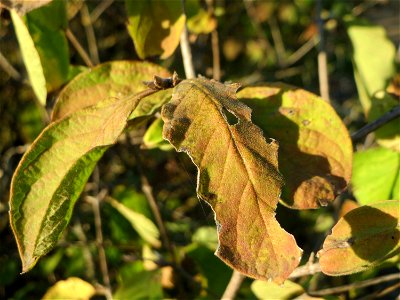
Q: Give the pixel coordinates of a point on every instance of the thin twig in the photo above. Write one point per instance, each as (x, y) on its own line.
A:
(75, 43)
(90, 36)
(322, 60)
(299, 53)
(87, 255)
(386, 118)
(278, 42)
(97, 12)
(233, 286)
(185, 49)
(214, 45)
(308, 269)
(8, 68)
(99, 241)
(148, 191)
(355, 285)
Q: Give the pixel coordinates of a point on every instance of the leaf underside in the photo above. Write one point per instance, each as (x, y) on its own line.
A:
(315, 150)
(237, 176)
(54, 170)
(363, 238)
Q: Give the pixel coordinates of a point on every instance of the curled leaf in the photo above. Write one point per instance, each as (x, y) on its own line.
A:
(237, 176)
(112, 79)
(315, 150)
(363, 238)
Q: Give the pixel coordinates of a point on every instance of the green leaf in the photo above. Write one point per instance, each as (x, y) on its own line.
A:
(153, 137)
(269, 290)
(54, 170)
(237, 176)
(31, 58)
(206, 236)
(315, 150)
(71, 288)
(375, 173)
(155, 26)
(46, 26)
(362, 239)
(143, 226)
(374, 66)
(112, 79)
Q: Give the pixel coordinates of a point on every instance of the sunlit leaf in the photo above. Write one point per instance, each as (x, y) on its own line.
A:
(315, 150)
(54, 170)
(31, 58)
(112, 79)
(71, 288)
(375, 173)
(144, 226)
(362, 239)
(237, 176)
(46, 26)
(155, 26)
(374, 67)
(269, 290)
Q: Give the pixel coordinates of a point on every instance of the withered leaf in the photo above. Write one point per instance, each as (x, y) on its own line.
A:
(237, 176)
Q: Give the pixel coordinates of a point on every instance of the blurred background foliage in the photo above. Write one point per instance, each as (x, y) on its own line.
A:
(258, 41)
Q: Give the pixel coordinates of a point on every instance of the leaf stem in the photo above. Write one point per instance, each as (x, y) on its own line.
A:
(90, 35)
(355, 285)
(233, 286)
(185, 49)
(386, 118)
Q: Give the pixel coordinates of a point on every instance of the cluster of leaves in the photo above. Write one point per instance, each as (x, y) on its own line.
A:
(253, 147)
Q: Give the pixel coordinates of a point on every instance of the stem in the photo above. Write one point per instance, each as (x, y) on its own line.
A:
(82, 53)
(99, 242)
(355, 285)
(386, 118)
(214, 45)
(8, 68)
(96, 13)
(90, 36)
(322, 60)
(278, 42)
(299, 53)
(233, 286)
(185, 49)
(148, 191)
(308, 269)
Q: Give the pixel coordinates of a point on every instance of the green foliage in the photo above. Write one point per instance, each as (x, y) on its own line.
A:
(376, 173)
(104, 119)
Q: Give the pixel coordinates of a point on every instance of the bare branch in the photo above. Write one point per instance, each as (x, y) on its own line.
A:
(78, 47)
(386, 118)
(355, 285)
(90, 35)
(233, 286)
(322, 60)
(97, 12)
(185, 49)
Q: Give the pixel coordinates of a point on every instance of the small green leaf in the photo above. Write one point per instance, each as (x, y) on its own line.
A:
(155, 26)
(269, 290)
(362, 239)
(143, 226)
(54, 170)
(237, 176)
(112, 79)
(139, 284)
(375, 173)
(46, 26)
(71, 288)
(374, 66)
(153, 137)
(31, 58)
(315, 150)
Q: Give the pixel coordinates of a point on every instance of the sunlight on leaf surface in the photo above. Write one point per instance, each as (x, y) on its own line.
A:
(54, 170)
(362, 239)
(237, 176)
(315, 150)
